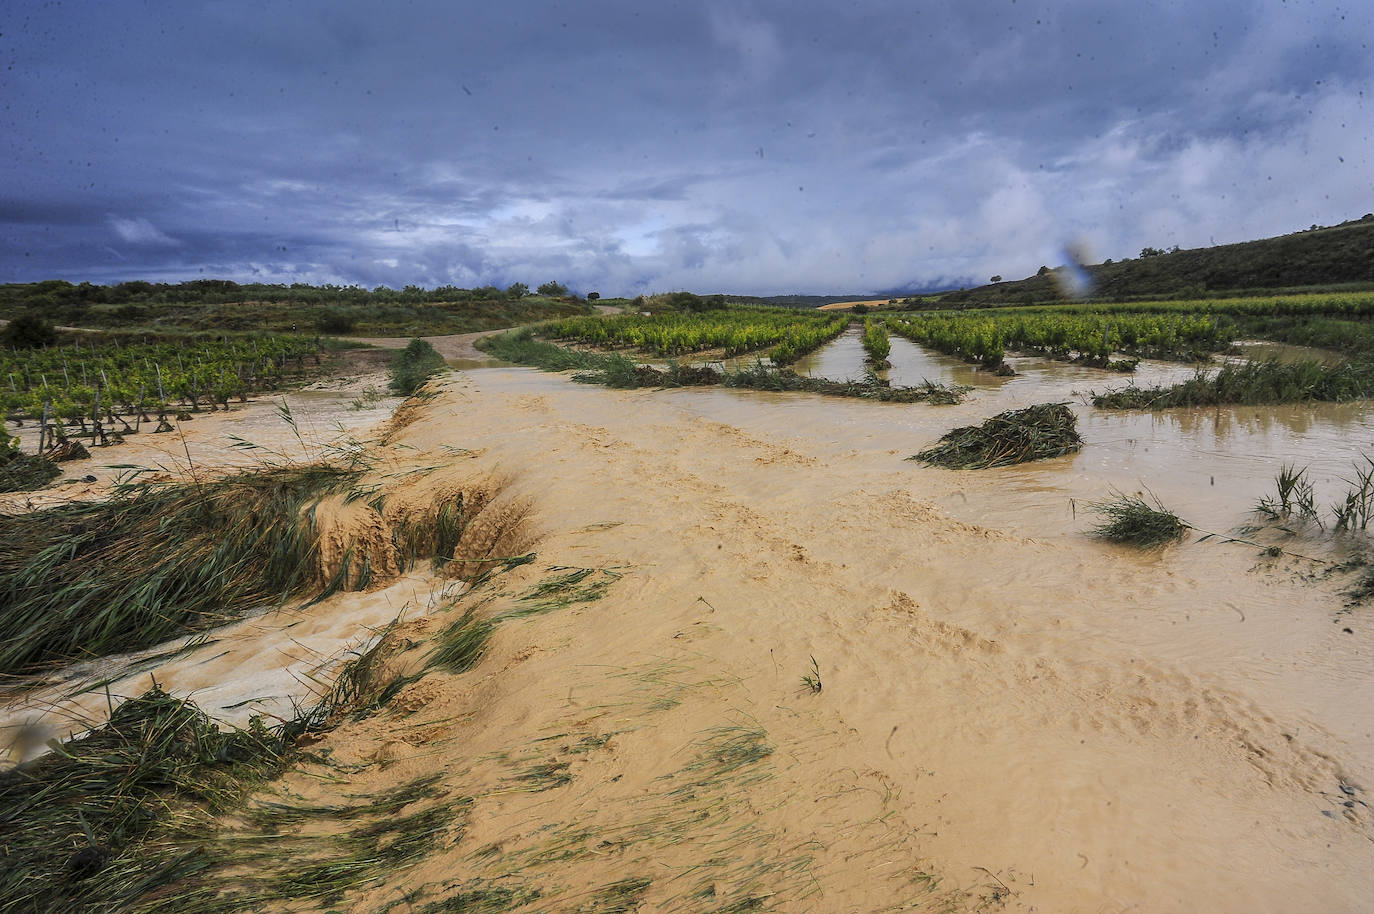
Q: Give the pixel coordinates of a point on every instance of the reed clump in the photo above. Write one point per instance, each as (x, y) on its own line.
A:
(1016, 436)
(1130, 519)
(1294, 499)
(1253, 383)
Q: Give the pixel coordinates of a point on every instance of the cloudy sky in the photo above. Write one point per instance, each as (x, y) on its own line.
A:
(628, 146)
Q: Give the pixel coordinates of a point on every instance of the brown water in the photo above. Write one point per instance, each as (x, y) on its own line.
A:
(912, 364)
(1038, 719)
(269, 663)
(1013, 715)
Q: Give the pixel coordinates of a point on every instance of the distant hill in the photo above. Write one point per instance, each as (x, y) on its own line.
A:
(792, 301)
(816, 301)
(1319, 257)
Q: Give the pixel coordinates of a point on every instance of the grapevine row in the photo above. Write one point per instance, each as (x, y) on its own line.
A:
(111, 380)
(790, 334)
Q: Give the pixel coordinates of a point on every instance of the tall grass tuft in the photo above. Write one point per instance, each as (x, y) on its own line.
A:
(1016, 436)
(154, 561)
(1132, 520)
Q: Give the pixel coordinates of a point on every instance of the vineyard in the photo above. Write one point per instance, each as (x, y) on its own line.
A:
(876, 343)
(111, 388)
(984, 336)
(790, 334)
(1175, 330)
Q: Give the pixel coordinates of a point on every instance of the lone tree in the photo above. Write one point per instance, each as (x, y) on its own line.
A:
(517, 290)
(553, 289)
(995, 279)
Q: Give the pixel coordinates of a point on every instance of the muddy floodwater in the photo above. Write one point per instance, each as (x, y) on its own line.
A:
(1014, 715)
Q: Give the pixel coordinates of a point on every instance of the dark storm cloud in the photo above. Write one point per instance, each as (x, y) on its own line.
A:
(631, 147)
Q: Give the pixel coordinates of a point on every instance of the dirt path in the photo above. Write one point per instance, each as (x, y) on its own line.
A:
(455, 346)
(1004, 720)
(460, 346)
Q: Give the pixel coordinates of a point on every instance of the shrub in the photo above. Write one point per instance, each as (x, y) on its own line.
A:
(336, 322)
(28, 331)
(414, 365)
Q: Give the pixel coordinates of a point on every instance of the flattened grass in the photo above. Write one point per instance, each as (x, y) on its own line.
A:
(128, 816)
(154, 561)
(1253, 383)
(463, 643)
(1016, 436)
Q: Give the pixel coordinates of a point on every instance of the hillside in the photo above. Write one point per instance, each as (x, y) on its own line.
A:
(219, 305)
(1338, 255)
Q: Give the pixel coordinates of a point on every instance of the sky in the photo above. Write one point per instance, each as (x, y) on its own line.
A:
(629, 147)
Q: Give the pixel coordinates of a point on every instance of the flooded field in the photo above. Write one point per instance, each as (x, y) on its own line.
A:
(274, 656)
(1014, 715)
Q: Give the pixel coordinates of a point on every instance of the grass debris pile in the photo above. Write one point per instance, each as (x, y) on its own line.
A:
(1016, 436)
(1131, 520)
